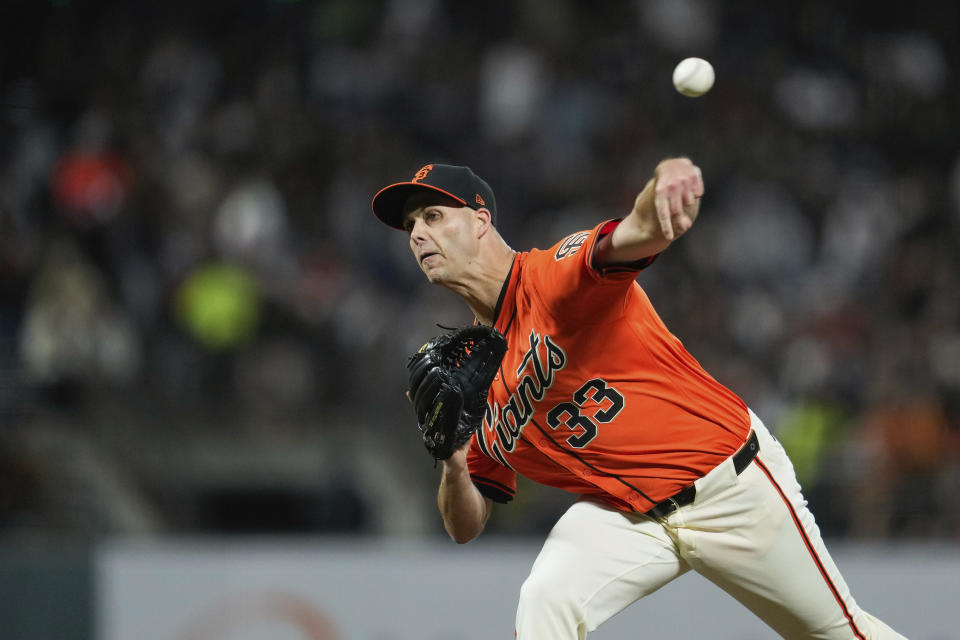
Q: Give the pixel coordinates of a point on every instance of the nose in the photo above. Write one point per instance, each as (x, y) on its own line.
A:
(417, 231)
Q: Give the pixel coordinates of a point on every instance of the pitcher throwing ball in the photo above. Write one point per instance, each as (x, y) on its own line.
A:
(594, 395)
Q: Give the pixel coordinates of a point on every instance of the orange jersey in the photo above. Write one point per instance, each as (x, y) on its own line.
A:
(595, 395)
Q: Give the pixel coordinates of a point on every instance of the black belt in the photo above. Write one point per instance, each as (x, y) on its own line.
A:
(685, 496)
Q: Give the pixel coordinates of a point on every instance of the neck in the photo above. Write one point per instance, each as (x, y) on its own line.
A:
(481, 289)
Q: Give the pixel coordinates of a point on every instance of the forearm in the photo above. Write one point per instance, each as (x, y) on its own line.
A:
(639, 234)
(464, 509)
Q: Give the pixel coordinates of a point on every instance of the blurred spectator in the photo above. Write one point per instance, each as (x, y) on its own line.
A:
(90, 182)
(72, 332)
(899, 492)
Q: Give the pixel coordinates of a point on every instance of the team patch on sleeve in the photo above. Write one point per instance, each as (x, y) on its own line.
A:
(570, 245)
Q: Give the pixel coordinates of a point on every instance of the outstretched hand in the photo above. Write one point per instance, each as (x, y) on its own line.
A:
(677, 189)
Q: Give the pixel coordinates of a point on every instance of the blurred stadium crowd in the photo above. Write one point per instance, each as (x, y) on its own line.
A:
(203, 329)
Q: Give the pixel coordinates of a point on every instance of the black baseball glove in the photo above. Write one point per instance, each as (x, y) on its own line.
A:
(449, 380)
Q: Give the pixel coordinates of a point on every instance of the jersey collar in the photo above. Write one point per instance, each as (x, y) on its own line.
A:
(503, 292)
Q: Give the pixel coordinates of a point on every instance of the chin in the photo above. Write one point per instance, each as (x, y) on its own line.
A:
(433, 276)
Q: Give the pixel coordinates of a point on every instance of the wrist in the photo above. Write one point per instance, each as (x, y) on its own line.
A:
(454, 471)
(455, 467)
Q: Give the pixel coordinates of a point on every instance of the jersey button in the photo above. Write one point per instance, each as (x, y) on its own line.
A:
(542, 442)
(588, 472)
(634, 495)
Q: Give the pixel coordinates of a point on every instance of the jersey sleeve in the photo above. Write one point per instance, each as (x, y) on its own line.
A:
(635, 267)
(568, 284)
(494, 480)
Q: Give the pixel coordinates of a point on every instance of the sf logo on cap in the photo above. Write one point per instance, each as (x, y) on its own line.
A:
(420, 175)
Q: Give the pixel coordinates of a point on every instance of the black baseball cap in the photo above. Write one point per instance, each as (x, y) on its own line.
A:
(459, 183)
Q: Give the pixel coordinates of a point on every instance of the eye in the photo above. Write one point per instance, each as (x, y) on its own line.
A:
(431, 215)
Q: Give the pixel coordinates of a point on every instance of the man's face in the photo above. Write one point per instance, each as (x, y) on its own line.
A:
(442, 235)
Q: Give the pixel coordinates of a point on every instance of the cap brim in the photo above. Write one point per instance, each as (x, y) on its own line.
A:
(389, 201)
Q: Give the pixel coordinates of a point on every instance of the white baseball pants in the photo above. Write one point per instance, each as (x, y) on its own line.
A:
(752, 535)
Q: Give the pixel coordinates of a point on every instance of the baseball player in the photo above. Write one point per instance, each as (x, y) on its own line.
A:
(597, 397)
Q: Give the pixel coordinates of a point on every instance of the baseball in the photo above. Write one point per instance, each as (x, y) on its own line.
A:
(693, 77)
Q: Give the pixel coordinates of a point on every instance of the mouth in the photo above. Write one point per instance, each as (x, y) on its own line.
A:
(425, 255)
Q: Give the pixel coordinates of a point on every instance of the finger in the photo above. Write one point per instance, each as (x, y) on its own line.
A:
(698, 182)
(693, 209)
(676, 202)
(689, 197)
(662, 204)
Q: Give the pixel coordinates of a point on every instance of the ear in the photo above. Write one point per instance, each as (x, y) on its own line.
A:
(483, 218)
